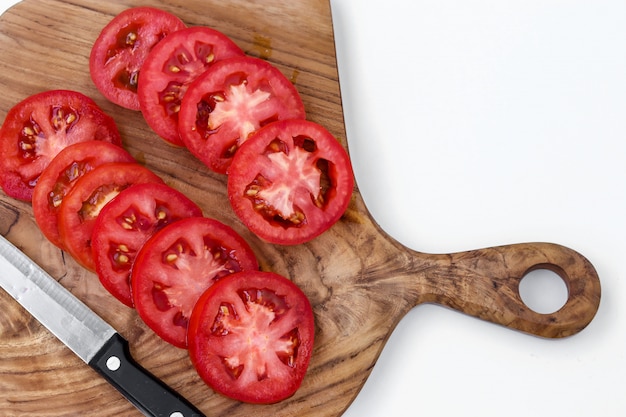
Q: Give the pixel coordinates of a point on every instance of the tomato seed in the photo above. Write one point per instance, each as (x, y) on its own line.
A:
(277, 146)
(58, 122)
(297, 218)
(131, 38)
(28, 131)
(71, 118)
(252, 191)
(73, 172)
(183, 58)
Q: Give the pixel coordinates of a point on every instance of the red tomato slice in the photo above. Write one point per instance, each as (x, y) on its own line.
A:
(121, 48)
(60, 176)
(39, 127)
(177, 264)
(124, 225)
(229, 102)
(290, 182)
(81, 206)
(251, 337)
(169, 69)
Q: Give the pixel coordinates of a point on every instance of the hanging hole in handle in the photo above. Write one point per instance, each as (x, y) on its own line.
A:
(543, 291)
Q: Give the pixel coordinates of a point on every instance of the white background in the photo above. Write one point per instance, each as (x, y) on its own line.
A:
(475, 123)
(484, 122)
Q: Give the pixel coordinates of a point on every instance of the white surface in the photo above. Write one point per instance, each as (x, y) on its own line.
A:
(485, 122)
(479, 123)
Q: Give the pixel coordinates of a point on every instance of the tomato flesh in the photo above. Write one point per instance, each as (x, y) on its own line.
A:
(39, 127)
(251, 337)
(124, 225)
(121, 48)
(290, 182)
(229, 102)
(61, 174)
(177, 264)
(82, 205)
(169, 69)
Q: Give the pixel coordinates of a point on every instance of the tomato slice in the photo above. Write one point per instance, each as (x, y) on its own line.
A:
(290, 182)
(60, 176)
(169, 69)
(124, 225)
(81, 206)
(229, 102)
(121, 48)
(39, 127)
(177, 264)
(251, 337)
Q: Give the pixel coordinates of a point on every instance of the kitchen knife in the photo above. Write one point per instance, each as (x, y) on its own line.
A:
(87, 335)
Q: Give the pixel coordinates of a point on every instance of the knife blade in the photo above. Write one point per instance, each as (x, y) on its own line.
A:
(90, 337)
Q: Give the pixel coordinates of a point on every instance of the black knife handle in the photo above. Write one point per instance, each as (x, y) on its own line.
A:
(146, 392)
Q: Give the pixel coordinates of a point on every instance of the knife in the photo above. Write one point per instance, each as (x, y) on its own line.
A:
(91, 338)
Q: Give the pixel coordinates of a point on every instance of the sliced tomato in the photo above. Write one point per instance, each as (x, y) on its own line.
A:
(124, 225)
(121, 48)
(290, 182)
(177, 264)
(60, 176)
(81, 206)
(39, 127)
(169, 69)
(229, 102)
(251, 337)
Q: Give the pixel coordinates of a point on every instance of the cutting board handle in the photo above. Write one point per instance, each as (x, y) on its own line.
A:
(485, 283)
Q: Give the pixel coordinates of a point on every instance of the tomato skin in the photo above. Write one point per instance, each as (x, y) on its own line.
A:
(121, 48)
(290, 182)
(229, 102)
(251, 337)
(60, 176)
(81, 206)
(169, 69)
(176, 265)
(126, 223)
(36, 129)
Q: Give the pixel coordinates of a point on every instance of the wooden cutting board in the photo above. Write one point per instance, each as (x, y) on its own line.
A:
(359, 280)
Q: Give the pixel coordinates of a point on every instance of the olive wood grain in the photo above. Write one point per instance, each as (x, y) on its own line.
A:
(360, 281)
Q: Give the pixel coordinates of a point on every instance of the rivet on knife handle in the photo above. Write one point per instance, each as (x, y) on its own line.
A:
(147, 393)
